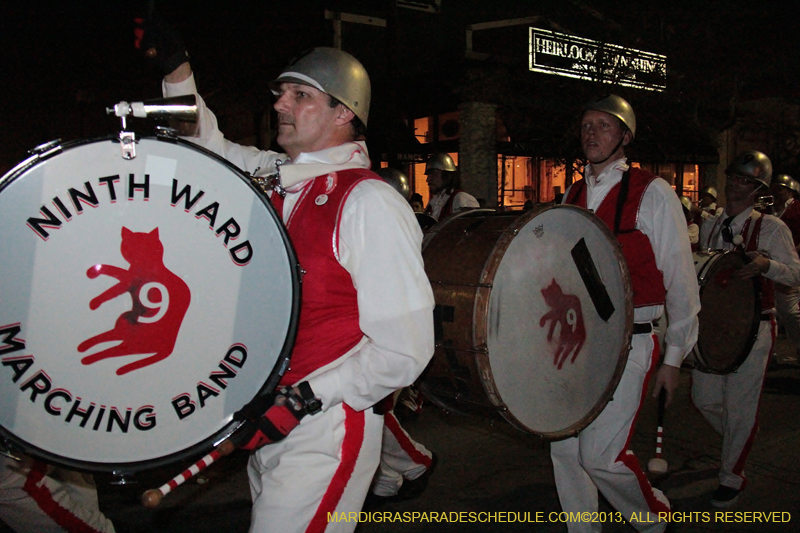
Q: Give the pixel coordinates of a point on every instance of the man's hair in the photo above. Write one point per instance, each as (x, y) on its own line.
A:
(451, 180)
(359, 129)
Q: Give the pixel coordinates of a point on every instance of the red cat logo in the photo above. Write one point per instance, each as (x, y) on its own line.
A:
(160, 300)
(566, 311)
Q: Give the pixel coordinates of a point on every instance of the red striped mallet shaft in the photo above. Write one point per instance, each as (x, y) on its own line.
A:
(152, 498)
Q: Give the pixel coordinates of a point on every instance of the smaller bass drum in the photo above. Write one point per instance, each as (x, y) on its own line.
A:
(533, 316)
(729, 313)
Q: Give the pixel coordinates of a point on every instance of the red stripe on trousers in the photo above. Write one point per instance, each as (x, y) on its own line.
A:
(402, 438)
(44, 499)
(629, 459)
(738, 468)
(351, 448)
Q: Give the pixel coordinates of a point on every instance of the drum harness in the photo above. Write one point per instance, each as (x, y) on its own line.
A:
(639, 328)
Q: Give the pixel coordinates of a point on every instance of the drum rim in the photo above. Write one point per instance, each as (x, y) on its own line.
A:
(699, 361)
(480, 313)
(11, 442)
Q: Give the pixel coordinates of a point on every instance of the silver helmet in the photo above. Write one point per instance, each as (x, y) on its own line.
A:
(334, 72)
(686, 202)
(753, 165)
(615, 106)
(787, 181)
(440, 161)
(396, 179)
(709, 190)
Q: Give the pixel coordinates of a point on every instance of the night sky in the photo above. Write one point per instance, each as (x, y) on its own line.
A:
(64, 62)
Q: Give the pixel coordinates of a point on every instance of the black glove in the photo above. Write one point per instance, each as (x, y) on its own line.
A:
(285, 414)
(161, 42)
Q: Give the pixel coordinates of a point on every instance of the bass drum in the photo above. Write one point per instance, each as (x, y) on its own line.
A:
(145, 301)
(533, 316)
(729, 315)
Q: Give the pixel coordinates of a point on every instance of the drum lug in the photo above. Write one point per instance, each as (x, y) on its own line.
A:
(5, 450)
(167, 133)
(46, 147)
(122, 478)
(127, 142)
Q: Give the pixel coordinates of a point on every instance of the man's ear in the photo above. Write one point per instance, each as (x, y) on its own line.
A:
(345, 115)
(627, 138)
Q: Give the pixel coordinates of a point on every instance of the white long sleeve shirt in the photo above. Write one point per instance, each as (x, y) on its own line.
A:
(379, 246)
(774, 241)
(661, 219)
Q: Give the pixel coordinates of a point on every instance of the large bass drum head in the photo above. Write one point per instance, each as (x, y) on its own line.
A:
(559, 321)
(729, 313)
(144, 302)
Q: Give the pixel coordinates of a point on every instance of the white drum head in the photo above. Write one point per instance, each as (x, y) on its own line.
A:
(199, 296)
(555, 386)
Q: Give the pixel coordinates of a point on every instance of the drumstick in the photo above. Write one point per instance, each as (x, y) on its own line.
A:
(151, 498)
(657, 465)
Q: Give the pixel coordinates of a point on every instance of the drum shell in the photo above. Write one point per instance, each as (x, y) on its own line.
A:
(56, 171)
(729, 313)
(462, 256)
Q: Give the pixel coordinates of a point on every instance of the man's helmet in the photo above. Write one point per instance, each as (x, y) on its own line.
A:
(396, 179)
(686, 202)
(709, 190)
(616, 106)
(334, 72)
(787, 181)
(753, 165)
(440, 161)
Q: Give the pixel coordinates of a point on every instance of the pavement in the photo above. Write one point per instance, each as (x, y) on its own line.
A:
(488, 468)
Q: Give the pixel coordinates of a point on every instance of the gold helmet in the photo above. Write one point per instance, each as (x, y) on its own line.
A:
(396, 179)
(787, 181)
(753, 165)
(440, 161)
(615, 106)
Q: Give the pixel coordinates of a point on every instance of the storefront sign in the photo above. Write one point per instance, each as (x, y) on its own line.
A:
(575, 57)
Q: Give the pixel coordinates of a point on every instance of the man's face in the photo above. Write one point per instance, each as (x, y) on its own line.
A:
(781, 194)
(706, 200)
(306, 121)
(739, 189)
(435, 182)
(600, 133)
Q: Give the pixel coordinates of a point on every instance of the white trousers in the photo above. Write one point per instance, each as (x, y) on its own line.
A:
(324, 466)
(599, 456)
(730, 404)
(36, 498)
(788, 306)
(401, 458)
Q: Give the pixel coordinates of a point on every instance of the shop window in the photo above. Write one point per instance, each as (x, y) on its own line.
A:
(523, 178)
(443, 127)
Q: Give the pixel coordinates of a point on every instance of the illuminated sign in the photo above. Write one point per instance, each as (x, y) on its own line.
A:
(575, 57)
(431, 6)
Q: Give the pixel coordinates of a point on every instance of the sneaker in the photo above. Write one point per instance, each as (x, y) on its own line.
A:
(724, 496)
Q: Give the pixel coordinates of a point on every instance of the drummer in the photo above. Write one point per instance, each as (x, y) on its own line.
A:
(444, 182)
(786, 192)
(650, 225)
(365, 328)
(730, 402)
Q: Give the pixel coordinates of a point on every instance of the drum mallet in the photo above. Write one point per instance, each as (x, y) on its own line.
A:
(151, 498)
(658, 465)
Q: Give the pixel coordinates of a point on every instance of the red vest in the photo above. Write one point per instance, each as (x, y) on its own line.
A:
(328, 325)
(646, 279)
(791, 217)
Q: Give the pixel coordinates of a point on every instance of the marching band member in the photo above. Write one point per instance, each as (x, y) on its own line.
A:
(444, 182)
(646, 216)
(365, 326)
(730, 402)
